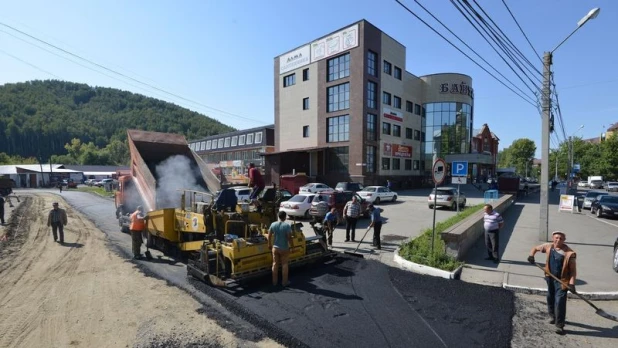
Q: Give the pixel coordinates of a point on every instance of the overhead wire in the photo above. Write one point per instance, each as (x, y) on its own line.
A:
(522, 30)
(526, 99)
(30, 64)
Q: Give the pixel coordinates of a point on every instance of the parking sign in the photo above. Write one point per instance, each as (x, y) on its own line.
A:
(459, 168)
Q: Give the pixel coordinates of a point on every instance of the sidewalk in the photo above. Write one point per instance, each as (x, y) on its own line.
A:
(591, 238)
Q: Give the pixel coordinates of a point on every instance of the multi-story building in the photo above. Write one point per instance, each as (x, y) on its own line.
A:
(484, 154)
(347, 109)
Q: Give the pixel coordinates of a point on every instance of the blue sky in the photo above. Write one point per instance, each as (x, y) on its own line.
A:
(220, 53)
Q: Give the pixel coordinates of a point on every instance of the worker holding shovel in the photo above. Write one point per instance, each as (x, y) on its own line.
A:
(560, 264)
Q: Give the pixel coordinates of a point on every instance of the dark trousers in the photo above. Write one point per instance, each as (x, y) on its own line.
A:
(1, 215)
(58, 231)
(492, 241)
(350, 224)
(556, 301)
(377, 229)
(329, 228)
(136, 242)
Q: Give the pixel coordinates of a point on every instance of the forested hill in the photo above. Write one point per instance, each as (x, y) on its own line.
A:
(38, 118)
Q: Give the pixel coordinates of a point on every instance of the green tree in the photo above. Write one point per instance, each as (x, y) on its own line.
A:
(519, 155)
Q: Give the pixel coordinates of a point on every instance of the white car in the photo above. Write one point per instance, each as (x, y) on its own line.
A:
(377, 194)
(242, 193)
(582, 184)
(611, 186)
(298, 205)
(315, 188)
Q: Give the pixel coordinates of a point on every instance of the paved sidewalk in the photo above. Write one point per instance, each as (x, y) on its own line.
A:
(590, 237)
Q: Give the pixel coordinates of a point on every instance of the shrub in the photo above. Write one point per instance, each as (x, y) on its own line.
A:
(418, 250)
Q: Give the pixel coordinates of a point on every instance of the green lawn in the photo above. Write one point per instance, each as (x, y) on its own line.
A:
(96, 190)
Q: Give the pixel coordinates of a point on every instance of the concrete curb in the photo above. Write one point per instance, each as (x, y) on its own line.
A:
(423, 269)
(597, 295)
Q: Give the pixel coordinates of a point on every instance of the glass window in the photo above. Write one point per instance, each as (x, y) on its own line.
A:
(235, 140)
(305, 131)
(408, 164)
(241, 140)
(372, 59)
(258, 138)
(408, 133)
(338, 97)
(306, 74)
(249, 138)
(387, 67)
(208, 144)
(396, 164)
(396, 130)
(202, 145)
(289, 80)
(338, 159)
(397, 102)
(386, 163)
(437, 118)
(415, 165)
(437, 107)
(306, 103)
(386, 98)
(386, 128)
(422, 136)
(372, 121)
(227, 142)
(220, 143)
(372, 95)
(397, 73)
(339, 67)
(417, 135)
(409, 106)
(417, 109)
(338, 129)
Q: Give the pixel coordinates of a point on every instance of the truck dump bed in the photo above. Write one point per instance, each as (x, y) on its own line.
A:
(162, 164)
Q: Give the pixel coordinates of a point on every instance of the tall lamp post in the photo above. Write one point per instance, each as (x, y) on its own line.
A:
(571, 155)
(547, 61)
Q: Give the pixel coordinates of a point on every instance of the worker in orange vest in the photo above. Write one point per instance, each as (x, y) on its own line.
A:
(138, 224)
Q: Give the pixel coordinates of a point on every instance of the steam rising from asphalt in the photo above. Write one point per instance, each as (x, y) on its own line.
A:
(175, 173)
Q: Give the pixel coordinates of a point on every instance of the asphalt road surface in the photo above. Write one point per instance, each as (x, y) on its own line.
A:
(344, 302)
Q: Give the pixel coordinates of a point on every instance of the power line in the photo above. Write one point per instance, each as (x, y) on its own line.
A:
(30, 64)
(522, 30)
(124, 75)
(467, 56)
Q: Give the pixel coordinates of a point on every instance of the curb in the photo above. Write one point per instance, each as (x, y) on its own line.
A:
(608, 296)
(425, 270)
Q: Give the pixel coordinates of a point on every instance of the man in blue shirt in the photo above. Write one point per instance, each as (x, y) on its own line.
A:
(330, 221)
(376, 223)
(280, 242)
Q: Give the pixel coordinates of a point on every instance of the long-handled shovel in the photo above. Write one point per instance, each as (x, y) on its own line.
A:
(599, 311)
(354, 253)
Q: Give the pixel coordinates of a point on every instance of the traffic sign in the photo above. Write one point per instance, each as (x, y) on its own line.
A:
(438, 171)
(459, 168)
(459, 180)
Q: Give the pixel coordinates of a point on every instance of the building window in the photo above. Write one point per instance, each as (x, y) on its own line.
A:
(306, 74)
(258, 138)
(220, 143)
(396, 130)
(214, 144)
(422, 136)
(397, 102)
(415, 165)
(208, 145)
(370, 161)
(289, 80)
(338, 159)
(339, 97)
(202, 145)
(339, 67)
(386, 128)
(407, 164)
(417, 135)
(249, 139)
(227, 142)
(396, 164)
(306, 103)
(386, 163)
(372, 95)
(397, 73)
(387, 67)
(241, 140)
(409, 106)
(235, 140)
(417, 109)
(372, 59)
(408, 133)
(305, 131)
(372, 121)
(386, 98)
(338, 129)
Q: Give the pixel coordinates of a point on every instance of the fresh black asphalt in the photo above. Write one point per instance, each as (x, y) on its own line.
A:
(342, 302)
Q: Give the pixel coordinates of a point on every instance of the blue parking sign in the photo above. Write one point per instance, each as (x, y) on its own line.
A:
(459, 168)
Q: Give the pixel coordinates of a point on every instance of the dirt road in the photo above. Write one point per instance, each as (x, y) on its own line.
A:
(82, 294)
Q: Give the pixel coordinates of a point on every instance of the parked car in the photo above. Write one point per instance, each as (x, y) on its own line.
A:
(105, 181)
(590, 196)
(71, 184)
(445, 197)
(324, 201)
(611, 186)
(377, 194)
(315, 187)
(582, 183)
(298, 205)
(616, 255)
(349, 186)
(605, 205)
(596, 184)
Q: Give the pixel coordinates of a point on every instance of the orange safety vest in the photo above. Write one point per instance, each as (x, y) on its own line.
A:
(137, 224)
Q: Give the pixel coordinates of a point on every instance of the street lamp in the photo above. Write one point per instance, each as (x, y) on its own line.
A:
(571, 155)
(547, 61)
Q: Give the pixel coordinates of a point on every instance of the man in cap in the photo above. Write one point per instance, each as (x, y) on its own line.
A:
(57, 219)
(560, 262)
(138, 224)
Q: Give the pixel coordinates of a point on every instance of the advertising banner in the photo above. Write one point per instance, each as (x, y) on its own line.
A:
(567, 203)
(334, 44)
(393, 115)
(402, 151)
(295, 59)
(387, 149)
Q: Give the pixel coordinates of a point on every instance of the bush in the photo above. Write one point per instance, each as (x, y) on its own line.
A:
(418, 250)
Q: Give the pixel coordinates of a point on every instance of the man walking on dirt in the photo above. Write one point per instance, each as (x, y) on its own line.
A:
(138, 223)
(57, 219)
(280, 242)
(351, 211)
(560, 262)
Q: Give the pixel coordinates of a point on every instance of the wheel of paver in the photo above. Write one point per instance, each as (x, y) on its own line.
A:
(599, 212)
(394, 198)
(616, 259)
(377, 201)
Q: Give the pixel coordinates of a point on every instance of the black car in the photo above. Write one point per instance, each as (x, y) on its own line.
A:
(605, 205)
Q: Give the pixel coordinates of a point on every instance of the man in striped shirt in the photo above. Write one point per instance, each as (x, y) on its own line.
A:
(351, 211)
(492, 222)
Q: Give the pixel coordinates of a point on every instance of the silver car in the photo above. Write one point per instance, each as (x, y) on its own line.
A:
(590, 197)
(612, 186)
(446, 197)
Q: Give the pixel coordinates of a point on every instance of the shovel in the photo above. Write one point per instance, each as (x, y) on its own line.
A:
(599, 311)
(354, 253)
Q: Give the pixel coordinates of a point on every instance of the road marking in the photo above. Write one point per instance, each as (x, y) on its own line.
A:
(604, 221)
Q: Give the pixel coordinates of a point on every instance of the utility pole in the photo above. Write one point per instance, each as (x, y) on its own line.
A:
(546, 107)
